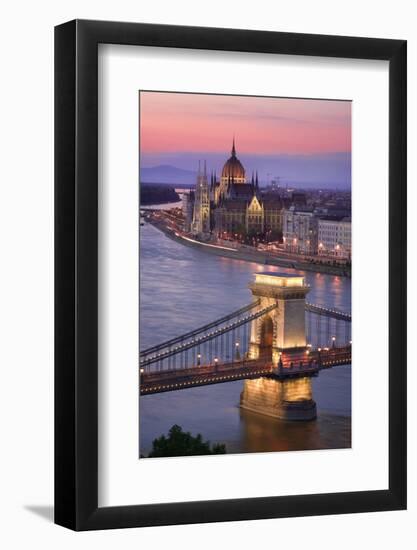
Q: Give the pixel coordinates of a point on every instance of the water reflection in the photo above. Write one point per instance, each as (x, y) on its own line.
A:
(263, 434)
(214, 412)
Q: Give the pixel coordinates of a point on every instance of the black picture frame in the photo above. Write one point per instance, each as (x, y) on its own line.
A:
(76, 273)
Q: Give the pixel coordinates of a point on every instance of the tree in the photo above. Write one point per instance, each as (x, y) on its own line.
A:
(179, 443)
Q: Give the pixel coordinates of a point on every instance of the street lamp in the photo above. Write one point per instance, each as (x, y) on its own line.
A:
(333, 341)
(198, 359)
(237, 351)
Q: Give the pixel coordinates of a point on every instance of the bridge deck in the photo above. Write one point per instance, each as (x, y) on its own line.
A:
(310, 365)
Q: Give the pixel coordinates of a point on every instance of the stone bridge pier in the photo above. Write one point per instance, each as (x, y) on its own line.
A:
(281, 330)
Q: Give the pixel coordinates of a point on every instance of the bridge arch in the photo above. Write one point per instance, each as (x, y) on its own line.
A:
(266, 337)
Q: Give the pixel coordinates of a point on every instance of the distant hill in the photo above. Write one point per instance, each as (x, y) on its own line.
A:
(167, 174)
(157, 194)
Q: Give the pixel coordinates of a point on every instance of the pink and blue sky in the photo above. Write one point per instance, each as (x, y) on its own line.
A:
(300, 140)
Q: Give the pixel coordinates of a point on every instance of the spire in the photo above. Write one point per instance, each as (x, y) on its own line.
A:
(233, 148)
(253, 178)
(205, 169)
(256, 180)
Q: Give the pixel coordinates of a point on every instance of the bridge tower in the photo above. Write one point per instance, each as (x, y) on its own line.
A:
(282, 329)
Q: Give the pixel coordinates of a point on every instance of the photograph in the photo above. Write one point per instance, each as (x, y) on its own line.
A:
(245, 274)
(181, 274)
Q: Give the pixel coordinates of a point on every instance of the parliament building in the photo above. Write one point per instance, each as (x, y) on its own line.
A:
(231, 205)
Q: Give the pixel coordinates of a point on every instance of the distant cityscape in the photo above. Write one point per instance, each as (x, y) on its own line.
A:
(307, 223)
(272, 224)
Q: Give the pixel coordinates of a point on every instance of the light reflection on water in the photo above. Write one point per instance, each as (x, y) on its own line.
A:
(182, 288)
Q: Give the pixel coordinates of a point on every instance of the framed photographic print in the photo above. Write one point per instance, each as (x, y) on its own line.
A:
(230, 275)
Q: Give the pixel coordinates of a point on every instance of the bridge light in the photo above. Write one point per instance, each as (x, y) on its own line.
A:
(142, 371)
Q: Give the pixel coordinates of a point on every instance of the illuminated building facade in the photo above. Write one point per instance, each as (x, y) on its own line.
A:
(236, 207)
(201, 213)
(334, 237)
(187, 209)
(300, 230)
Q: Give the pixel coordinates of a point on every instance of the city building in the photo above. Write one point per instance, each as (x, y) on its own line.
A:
(334, 237)
(300, 230)
(200, 225)
(274, 208)
(187, 209)
(230, 207)
(236, 206)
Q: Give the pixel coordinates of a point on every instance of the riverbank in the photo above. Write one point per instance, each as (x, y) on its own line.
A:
(254, 256)
(151, 205)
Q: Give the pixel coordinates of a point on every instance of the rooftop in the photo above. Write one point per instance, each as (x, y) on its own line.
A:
(333, 218)
(279, 279)
(277, 274)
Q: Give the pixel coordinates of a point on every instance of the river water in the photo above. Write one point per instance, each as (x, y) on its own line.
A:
(182, 288)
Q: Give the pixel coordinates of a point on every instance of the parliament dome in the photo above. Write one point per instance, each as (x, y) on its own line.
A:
(233, 168)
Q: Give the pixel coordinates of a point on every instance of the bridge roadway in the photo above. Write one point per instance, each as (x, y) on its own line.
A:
(293, 365)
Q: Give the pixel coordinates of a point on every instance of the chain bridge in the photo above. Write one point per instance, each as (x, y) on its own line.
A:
(276, 343)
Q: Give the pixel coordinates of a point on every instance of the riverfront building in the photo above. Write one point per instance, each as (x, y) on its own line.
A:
(300, 230)
(334, 237)
(187, 209)
(231, 205)
(200, 225)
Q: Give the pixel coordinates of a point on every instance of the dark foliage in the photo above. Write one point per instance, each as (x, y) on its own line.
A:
(179, 443)
(157, 194)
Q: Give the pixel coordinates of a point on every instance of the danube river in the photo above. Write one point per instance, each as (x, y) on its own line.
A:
(182, 288)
